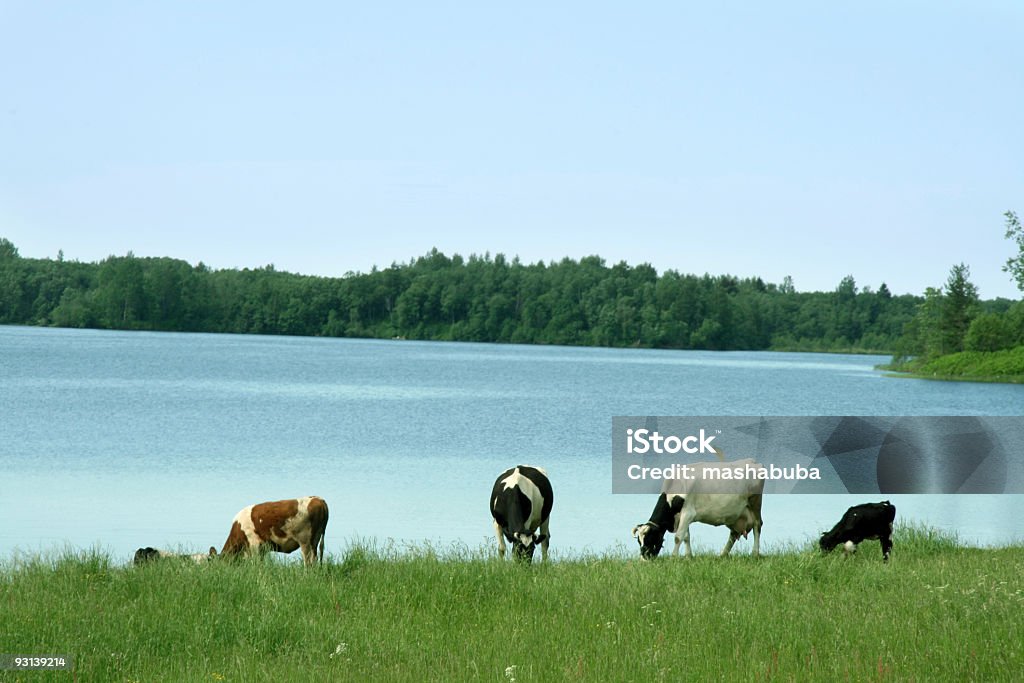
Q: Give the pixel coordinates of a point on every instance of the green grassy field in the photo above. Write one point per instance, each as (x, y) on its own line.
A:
(936, 611)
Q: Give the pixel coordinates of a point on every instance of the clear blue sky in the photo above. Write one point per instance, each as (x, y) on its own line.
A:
(882, 140)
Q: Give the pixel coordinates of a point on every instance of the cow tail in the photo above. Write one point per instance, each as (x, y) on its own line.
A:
(323, 529)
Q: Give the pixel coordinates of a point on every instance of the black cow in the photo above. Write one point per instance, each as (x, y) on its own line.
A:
(144, 555)
(520, 504)
(862, 522)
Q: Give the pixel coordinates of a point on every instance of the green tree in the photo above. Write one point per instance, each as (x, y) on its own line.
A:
(988, 332)
(11, 278)
(926, 333)
(1015, 264)
(844, 322)
(958, 308)
(121, 292)
(74, 310)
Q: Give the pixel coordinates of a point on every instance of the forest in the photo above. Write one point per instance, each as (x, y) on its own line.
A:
(493, 299)
(480, 298)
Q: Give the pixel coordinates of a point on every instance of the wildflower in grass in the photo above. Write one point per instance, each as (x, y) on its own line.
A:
(510, 673)
(338, 651)
(216, 676)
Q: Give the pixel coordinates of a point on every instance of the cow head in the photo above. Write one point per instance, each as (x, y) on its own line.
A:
(651, 538)
(144, 555)
(827, 542)
(523, 545)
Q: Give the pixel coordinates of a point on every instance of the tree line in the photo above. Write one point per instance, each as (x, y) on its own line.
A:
(437, 297)
(951, 319)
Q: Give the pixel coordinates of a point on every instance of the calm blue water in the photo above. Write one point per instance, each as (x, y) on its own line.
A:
(129, 439)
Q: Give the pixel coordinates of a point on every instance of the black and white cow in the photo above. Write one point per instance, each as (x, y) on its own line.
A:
(735, 503)
(860, 523)
(520, 505)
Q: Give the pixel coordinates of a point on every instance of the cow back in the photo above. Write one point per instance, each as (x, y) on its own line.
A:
(707, 480)
(709, 498)
(522, 492)
(277, 524)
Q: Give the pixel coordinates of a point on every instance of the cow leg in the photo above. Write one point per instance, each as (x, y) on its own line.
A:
(754, 506)
(308, 554)
(544, 544)
(683, 536)
(501, 540)
(886, 546)
(732, 539)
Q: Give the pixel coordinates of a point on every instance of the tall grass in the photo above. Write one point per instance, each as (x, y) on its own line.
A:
(936, 611)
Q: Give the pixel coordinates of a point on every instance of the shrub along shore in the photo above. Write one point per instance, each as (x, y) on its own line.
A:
(1006, 366)
(936, 611)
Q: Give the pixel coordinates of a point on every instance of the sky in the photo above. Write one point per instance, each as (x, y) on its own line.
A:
(815, 140)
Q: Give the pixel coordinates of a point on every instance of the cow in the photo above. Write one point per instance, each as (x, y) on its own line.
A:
(147, 554)
(520, 503)
(860, 523)
(279, 526)
(707, 498)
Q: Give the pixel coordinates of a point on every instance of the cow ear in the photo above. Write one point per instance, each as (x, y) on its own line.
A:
(539, 538)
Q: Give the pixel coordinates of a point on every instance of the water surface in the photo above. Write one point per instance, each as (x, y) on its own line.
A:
(126, 439)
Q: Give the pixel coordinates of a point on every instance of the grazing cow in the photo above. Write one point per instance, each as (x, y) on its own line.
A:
(859, 523)
(520, 504)
(281, 526)
(145, 555)
(735, 503)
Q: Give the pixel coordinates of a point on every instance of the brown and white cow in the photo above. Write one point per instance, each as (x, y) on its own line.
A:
(281, 526)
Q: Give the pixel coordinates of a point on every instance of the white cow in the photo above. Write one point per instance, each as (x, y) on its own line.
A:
(712, 496)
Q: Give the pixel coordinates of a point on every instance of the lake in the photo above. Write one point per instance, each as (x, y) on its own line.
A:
(127, 439)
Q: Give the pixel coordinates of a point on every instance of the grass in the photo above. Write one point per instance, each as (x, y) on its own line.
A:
(1005, 366)
(936, 611)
